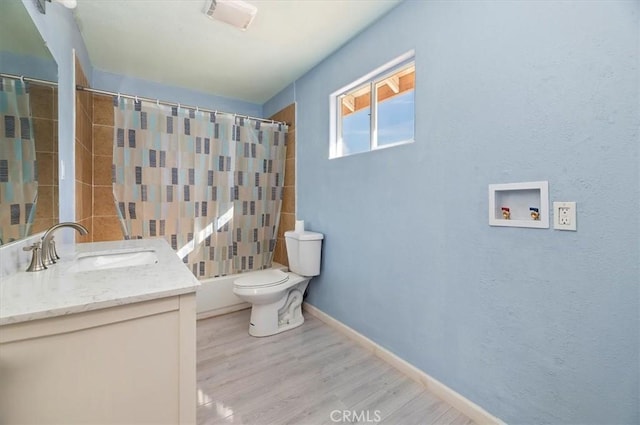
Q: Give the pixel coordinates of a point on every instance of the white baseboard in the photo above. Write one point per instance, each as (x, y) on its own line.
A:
(464, 405)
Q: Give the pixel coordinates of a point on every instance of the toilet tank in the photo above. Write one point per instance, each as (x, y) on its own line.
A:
(303, 252)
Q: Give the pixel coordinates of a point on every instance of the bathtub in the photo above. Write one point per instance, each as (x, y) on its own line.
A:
(215, 295)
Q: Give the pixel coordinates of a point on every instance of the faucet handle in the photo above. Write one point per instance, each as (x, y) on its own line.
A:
(35, 245)
(36, 259)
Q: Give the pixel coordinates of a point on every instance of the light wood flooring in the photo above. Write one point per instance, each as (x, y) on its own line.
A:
(301, 377)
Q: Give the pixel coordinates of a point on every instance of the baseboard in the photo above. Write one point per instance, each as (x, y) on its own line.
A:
(464, 405)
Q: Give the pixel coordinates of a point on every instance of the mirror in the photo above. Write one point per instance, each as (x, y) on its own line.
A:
(28, 127)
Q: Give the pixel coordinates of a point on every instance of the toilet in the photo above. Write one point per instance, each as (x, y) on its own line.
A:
(276, 296)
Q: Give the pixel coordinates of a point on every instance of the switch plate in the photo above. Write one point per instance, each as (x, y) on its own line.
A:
(564, 216)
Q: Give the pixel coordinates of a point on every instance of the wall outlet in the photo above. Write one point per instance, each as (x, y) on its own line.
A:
(564, 216)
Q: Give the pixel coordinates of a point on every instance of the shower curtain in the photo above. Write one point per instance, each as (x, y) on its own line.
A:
(18, 172)
(210, 184)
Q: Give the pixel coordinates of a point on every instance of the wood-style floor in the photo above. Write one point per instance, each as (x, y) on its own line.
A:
(308, 375)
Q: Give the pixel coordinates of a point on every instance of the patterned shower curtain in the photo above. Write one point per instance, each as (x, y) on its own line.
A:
(210, 184)
(18, 172)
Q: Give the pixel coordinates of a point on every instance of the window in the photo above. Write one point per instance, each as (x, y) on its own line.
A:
(377, 111)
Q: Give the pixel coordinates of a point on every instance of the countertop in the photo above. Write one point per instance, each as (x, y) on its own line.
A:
(58, 291)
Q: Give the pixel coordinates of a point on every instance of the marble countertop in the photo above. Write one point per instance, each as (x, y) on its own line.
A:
(58, 291)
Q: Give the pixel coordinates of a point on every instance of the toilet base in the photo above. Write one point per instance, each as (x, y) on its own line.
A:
(275, 310)
(258, 329)
(271, 319)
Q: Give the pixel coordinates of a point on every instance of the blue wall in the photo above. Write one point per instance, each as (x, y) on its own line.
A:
(536, 326)
(138, 87)
(280, 101)
(29, 66)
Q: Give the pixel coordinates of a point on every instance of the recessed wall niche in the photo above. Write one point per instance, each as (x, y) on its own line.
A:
(519, 204)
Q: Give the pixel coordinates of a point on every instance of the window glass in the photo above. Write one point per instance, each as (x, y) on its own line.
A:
(377, 114)
(356, 132)
(395, 103)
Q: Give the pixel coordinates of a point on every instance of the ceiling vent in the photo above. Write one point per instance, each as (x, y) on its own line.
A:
(238, 13)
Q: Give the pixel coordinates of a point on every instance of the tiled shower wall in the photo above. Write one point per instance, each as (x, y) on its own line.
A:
(288, 212)
(95, 208)
(105, 220)
(44, 111)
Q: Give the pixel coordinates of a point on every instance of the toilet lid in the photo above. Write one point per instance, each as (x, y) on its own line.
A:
(262, 279)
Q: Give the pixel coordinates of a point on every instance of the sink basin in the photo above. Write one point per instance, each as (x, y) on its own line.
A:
(113, 260)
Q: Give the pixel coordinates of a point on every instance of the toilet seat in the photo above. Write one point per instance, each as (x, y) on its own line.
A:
(262, 279)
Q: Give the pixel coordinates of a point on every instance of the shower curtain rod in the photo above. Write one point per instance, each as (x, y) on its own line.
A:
(179, 105)
(29, 80)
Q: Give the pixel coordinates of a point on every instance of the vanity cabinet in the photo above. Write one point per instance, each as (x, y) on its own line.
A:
(126, 364)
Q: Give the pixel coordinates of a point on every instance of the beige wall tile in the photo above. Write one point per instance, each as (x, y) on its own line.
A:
(89, 237)
(45, 163)
(287, 217)
(78, 159)
(55, 135)
(87, 200)
(290, 172)
(41, 100)
(56, 203)
(43, 134)
(287, 114)
(283, 252)
(55, 169)
(44, 206)
(103, 110)
(84, 129)
(42, 224)
(289, 200)
(107, 229)
(102, 140)
(79, 121)
(84, 97)
(287, 222)
(103, 202)
(87, 166)
(54, 115)
(87, 133)
(87, 102)
(102, 170)
(291, 144)
(79, 206)
(280, 252)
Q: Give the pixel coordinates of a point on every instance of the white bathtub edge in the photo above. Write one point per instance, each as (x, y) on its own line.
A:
(215, 297)
(223, 310)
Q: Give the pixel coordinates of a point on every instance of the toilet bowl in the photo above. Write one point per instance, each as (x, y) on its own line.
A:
(276, 296)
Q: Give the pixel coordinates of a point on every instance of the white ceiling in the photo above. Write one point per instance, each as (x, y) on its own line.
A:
(175, 43)
(18, 34)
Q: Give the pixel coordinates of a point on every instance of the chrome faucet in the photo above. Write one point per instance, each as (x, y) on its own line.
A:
(36, 258)
(49, 254)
